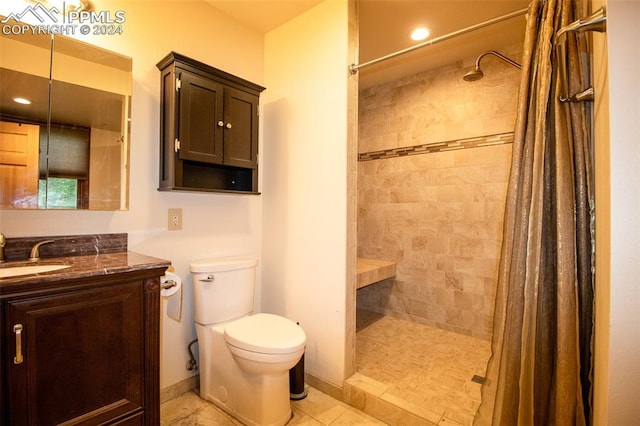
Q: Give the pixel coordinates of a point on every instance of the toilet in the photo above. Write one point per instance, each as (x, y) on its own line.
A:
(245, 357)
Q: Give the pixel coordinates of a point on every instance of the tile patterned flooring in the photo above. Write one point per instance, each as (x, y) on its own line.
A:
(407, 374)
(317, 409)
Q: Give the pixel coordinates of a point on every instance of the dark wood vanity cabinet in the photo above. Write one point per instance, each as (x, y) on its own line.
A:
(209, 128)
(85, 352)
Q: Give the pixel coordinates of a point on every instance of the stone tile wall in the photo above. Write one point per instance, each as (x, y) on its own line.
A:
(434, 163)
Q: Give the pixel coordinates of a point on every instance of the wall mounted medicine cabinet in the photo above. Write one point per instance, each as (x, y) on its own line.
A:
(208, 130)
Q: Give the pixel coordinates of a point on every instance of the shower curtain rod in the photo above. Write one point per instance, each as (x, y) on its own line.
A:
(353, 68)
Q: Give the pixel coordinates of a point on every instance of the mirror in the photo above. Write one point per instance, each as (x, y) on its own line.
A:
(68, 148)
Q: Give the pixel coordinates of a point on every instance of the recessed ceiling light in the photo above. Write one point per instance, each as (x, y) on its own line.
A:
(419, 34)
(22, 101)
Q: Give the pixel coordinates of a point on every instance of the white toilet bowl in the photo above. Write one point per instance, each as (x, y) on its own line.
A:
(244, 375)
(245, 358)
(265, 343)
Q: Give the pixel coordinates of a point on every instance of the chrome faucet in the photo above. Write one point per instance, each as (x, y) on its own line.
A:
(35, 251)
(2, 244)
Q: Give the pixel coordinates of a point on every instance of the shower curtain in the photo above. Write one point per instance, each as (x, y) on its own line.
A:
(540, 369)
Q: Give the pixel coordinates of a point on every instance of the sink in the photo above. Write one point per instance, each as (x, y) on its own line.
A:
(14, 271)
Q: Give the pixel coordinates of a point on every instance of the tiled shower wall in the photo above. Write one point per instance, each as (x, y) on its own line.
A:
(434, 163)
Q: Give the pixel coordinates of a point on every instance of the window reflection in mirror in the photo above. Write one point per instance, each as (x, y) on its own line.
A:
(68, 148)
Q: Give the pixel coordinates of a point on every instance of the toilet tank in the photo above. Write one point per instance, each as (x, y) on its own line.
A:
(223, 289)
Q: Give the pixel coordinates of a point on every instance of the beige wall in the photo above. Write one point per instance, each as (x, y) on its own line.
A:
(305, 190)
(617, 162)
(438, 215)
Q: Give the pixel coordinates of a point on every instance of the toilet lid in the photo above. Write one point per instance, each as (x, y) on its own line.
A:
(265, 333)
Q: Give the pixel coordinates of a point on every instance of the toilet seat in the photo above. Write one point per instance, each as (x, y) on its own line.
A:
(265, 334)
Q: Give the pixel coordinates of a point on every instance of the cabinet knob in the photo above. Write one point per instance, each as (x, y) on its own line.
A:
(228, 126)
(220, 124)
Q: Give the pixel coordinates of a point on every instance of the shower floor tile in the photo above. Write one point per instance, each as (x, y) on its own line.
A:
(425, 371)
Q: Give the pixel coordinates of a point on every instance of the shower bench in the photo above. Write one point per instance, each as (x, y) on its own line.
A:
(370, 271)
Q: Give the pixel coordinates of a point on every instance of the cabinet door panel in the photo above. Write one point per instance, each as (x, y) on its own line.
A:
(18, 165)
(241, 140)
(201, 103)
(82, 356)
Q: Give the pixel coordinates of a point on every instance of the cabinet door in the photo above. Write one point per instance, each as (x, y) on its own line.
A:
(18, 165)
(201, 118)
(241, 129)
(81, 354)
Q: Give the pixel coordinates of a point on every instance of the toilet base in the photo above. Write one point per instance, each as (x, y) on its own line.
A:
(246, 420)
(256, 400)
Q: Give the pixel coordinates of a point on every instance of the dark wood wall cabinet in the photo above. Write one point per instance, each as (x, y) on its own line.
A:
(208, 128)
(81, 350)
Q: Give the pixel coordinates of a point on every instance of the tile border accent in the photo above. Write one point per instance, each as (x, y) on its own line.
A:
(428, 148)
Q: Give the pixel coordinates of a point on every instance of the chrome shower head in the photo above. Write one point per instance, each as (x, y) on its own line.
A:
(477, 73)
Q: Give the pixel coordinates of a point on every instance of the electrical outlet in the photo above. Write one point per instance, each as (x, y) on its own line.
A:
(175, 219)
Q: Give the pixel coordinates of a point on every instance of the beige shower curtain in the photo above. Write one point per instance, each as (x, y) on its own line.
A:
(540, 369)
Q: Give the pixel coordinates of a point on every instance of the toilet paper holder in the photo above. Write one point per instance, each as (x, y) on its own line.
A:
(168, 284)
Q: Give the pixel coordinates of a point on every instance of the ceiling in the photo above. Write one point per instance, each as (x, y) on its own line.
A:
(88, 108)
(385, 26)
(263, 15)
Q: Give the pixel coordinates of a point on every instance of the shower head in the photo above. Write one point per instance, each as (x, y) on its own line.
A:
(474, 75)
(477, 73)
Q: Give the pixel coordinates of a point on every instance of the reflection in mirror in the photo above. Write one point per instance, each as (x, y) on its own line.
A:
(68, 148)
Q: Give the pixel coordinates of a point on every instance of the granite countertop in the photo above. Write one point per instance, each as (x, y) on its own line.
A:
(83, 267)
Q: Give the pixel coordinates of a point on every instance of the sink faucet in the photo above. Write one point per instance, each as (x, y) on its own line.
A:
(2, 243)
(35, 251)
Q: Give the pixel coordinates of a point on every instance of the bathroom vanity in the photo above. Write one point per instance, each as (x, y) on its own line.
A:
(80, 345)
